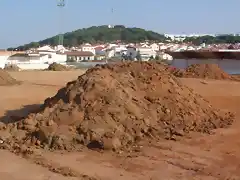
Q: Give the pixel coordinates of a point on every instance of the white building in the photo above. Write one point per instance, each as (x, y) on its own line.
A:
(116, 51)
(60, 48)
(29, 61)
(60, 58)
(155, 47)
(109, 53)
(120, 50)
(88, 48)
(4, 55)
(77, 56)
(109, 46)
(46, 49)
(165, 56)
(36, 60)
(145, 52)
(144, 45)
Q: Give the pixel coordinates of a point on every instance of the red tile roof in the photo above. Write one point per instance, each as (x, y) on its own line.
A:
(99, 48)
(79, 53)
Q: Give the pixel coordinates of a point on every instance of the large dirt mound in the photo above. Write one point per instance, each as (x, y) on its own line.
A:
(57, 67)
(207, 71)
(114, 106)
(6, 79)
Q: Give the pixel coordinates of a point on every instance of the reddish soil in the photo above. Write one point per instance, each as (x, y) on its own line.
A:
(115, 106)
(211, 71)
(197, 156)
(206, 71)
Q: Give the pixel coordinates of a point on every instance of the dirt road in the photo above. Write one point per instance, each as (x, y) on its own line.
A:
(199, 157)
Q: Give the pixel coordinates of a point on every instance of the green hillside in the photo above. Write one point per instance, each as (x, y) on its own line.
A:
(96, 34)
(219, 39)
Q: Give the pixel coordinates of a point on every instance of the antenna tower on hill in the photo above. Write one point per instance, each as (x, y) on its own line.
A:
(60, 5)
(111, 25)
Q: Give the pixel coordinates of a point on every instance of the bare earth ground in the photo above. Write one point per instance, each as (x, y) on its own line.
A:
(198, 157)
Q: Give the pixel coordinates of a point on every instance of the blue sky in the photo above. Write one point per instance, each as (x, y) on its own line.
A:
(24, 21)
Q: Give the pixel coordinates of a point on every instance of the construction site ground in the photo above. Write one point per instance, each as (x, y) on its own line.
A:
(200, 156)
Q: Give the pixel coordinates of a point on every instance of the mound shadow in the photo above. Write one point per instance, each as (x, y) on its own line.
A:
(12, 116)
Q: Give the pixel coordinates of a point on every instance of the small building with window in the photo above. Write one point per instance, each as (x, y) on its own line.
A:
(77, 56)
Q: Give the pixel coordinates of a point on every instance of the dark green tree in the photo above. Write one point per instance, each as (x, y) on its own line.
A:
(151, 58)
(219, 39)
(157, 57)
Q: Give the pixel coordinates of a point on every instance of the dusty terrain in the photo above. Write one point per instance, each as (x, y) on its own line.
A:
(199, 157)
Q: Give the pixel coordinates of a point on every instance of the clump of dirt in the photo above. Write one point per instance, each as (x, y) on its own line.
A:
(176, 71)
(115, 106)
(11, 67)
(6, 79)
(57, 67)
(206, 71)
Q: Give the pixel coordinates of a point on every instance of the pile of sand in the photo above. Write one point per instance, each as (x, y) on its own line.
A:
(6, 79)
(115, 106)
(57, 67)
(206, 71)
(11, 67)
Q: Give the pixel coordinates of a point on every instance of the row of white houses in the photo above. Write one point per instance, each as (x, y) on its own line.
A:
(43, 56)
(41, 59)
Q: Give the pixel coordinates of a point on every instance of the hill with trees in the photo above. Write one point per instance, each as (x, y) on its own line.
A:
(219, 39)
(97, 34)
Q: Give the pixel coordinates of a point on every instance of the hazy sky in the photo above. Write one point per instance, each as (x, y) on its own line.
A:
(24, 21)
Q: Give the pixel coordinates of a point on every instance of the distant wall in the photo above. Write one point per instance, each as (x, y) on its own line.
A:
(32, 66)
(3, 60)
(58, 58)
(229, 65)
(229, 61)
(205, 55)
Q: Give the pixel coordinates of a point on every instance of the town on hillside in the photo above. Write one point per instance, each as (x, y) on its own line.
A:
(41, 57)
